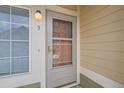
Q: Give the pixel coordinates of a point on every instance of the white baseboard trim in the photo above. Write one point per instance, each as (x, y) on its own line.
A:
(103, 81)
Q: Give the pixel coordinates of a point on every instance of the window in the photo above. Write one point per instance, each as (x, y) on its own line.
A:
(14, 40)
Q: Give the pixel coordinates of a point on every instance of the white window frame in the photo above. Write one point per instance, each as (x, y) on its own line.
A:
(30, 39)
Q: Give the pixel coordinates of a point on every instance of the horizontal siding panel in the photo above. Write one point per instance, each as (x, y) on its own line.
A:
(112, 65)
(119, 15)
(91, 11)
(115, 56)
(107, 10)
(71, 7)
(105, 72)
(115, 36)
(113, 46)
(116, 26)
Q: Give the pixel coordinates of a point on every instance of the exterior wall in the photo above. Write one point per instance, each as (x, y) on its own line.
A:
(102, 40)
(70, 7)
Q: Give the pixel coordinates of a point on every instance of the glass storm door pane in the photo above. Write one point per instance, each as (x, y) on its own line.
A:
(62, 29)
(62, 43)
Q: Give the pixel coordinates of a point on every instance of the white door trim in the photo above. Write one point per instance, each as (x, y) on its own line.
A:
(61, 10)
(78, 44)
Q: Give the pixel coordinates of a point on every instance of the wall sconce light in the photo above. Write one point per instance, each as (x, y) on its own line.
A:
(38, 15)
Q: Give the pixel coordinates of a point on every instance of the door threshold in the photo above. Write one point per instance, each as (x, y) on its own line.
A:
(70, 85)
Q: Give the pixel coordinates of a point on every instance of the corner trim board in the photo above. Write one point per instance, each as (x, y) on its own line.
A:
(103, 81)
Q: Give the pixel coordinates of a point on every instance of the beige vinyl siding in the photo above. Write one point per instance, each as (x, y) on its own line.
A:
(71, 7)
(102, 40)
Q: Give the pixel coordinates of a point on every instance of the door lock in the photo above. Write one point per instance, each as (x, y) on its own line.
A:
(49, 49)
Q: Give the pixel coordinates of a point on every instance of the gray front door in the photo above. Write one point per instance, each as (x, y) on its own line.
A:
(61, 53)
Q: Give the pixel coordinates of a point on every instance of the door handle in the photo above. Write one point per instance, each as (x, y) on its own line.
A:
(49, 49)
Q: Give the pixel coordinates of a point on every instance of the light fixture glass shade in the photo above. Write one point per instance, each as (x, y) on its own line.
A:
(38, 15)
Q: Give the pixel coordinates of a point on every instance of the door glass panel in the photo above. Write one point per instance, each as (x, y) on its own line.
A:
(62, 29)
(62, 53)
(62, 42)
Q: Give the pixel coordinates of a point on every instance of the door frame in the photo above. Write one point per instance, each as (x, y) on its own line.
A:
(71, 13)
